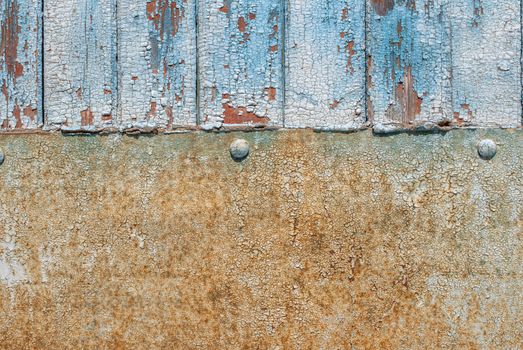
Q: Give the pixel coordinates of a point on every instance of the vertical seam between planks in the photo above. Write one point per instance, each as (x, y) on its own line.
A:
(521, 60)
(366, 55)
(447, 10)
(283, 60)
(40, 69)
(118, 78)
(116, 65)
(197, 53)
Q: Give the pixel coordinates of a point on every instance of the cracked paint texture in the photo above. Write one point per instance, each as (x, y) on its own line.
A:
(127, 64)
(452, 63)
(80, 64)
(240, 71)
(325, 64)
(19, 64)
(157, 71)
(317, 240)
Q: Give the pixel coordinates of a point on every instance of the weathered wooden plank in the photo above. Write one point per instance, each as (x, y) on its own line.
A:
(19, 64)
(486, 67)
(157, 62)
(409, 63)
(325, 64)
(80, 63)
(240, 70)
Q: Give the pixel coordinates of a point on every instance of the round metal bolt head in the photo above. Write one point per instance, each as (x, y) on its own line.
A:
(239, 149)
(487, 149)
(2, 157)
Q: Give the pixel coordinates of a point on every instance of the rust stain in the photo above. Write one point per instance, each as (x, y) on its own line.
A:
(30, 112)
(408, 98)
(87, 117)
(239, 115)
(271, 93)
(170, 116)
(166, 16)
(16, 115)
(382, 7)
(242, 24)
(334, 104)
(349, 48)
(107, 117)
(10, 30)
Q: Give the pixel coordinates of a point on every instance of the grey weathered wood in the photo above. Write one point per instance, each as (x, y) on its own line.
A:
(157, 62)
(80, 63)
(19, 64)
(325, 64)
(241, 73)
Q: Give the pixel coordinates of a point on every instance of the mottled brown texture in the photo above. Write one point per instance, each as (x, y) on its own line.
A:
(315, 241)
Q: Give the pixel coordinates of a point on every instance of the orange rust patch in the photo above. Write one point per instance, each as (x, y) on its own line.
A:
(16, 114)
(166, 16)
(408, 98)
(349, 48)
(239, 115)
(224, 9)
(30, 112)
(169, 112)
(382, 7)
(271, 93)
(252, 16)
(107, 117)
(465, 110)
(242, 25)
(87, 117)
(10, 29)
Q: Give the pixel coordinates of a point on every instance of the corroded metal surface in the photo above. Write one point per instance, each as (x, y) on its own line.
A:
(316, 240)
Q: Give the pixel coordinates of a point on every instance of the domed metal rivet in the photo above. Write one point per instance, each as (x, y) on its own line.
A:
(239, 149)
(487, 149)
(2, 157)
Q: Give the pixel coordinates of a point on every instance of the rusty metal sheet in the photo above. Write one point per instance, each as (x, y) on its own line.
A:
(316, 240)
